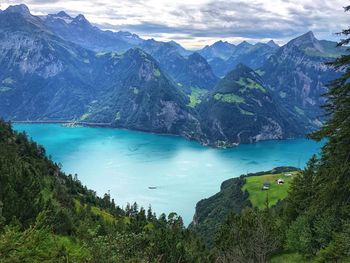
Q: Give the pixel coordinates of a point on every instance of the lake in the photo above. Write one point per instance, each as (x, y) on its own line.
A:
(127, 163)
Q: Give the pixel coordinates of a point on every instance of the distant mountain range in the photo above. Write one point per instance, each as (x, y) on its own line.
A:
(57, 67)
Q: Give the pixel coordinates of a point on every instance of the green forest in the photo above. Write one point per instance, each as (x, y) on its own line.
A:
(48, 216)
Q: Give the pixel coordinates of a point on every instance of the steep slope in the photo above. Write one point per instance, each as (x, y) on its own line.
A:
(242, 110)
(79, 30)
(46, 78)
(298, 75)
(253, 56)
(47, 216)
(220, 49)
(171, 56)
(193, 71)
(41, 75)
(137, 95)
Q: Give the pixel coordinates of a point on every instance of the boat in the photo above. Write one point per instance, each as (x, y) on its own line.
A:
(152, 187)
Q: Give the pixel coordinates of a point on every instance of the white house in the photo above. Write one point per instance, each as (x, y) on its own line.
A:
(280, 181)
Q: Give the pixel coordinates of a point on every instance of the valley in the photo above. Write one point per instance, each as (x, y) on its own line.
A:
(174, 132)
(126, 163)
(77, 72)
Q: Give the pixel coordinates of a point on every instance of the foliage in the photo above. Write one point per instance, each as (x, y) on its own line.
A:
(229, 98)
(233, 197)
(318, 206)
(196, 96)
(251, 236)
(63, 221)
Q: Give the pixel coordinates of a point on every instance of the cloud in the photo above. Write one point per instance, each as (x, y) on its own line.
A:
(201, 22)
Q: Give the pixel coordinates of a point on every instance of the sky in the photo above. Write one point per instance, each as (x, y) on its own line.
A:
(196, 23)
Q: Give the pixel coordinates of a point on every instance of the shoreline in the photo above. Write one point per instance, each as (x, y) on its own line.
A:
(82, 123)
(108, 125)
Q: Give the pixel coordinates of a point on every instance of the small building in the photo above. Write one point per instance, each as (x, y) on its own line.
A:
(266, 186)
(280, 181)
(288, 174)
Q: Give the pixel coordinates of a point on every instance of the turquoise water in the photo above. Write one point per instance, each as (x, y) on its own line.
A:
(126, 163)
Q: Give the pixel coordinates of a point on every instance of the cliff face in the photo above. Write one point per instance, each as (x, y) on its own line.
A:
(297, 74)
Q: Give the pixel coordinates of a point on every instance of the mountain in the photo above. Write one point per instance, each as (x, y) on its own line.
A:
(272, 44)
(80, 31)
(241, 109)
(253, 56)
(137, 95)
(41, 75)
(157, 88)
(171, 56)
(47, 78)
(191, 71)
(182, 51)
(298, 75)
(220, 49)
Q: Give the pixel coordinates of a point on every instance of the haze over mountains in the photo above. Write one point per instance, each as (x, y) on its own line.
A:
(57, 67)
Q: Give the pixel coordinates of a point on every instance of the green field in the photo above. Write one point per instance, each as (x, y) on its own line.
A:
(228, 98)
(276, 192)
(195, 96)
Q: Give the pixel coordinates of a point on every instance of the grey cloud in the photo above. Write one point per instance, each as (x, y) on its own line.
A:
(215, 19)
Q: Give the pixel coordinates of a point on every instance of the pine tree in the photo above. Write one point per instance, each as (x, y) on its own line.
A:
(334, 170)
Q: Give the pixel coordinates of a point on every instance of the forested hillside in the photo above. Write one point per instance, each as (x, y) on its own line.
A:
(47, 216)
(312, 224)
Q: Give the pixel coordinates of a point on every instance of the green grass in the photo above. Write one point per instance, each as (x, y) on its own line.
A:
(195, 97)
(289, 258)
(228, 98)
(244, 112)
(73, 249)
(248, 83)
(97, 211)
(299, 111)
(156, 72)
(8, 81)
(85, 116)
(260, 72)
(105, 215)
(4, 89)
(276, 192)
(315, 53)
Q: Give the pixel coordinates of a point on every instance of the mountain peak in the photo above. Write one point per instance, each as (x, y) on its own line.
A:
(307, 37)
(244, 44)
(62, 14)
(22, 9)
(221, 43)
(309, 34)
(81, 20)
(272, 43)
(307, 40)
